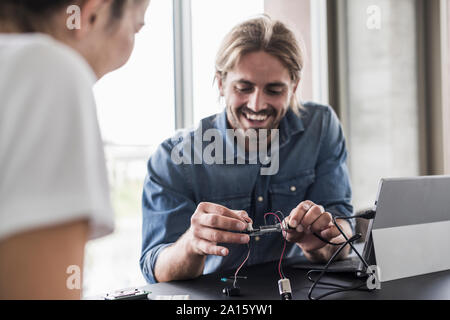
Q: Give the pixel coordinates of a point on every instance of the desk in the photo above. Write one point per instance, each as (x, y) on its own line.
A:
(261, 284)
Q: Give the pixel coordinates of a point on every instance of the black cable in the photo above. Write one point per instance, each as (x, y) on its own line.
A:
(329, 242)
(356, 287)
(345, 236)
(370, 214)
(325, 269)
(330, 284)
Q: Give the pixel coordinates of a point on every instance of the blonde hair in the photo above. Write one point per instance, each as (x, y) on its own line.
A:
(262, 34)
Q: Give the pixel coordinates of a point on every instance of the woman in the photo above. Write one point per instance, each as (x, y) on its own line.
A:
(53, 186)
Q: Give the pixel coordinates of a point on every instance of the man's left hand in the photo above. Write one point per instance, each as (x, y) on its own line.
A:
(305, 220)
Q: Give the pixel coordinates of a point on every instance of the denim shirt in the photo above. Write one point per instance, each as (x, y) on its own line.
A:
(312, 166)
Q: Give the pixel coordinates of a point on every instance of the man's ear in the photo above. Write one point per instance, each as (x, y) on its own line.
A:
(90, 12)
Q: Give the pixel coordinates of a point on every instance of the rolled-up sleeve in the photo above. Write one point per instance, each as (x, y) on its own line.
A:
(167, 207)
(332, 188)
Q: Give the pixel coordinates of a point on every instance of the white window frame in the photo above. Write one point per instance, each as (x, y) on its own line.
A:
(183, 76)
(319, 48)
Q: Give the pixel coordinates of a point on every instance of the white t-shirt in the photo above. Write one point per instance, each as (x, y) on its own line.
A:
(52, 164)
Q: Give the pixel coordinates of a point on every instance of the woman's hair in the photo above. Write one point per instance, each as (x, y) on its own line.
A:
(32, 15)
(262, 34)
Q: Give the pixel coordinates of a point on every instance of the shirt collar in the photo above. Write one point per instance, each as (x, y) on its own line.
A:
(290, 125)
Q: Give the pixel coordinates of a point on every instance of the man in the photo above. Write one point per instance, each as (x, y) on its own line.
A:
(195, 212)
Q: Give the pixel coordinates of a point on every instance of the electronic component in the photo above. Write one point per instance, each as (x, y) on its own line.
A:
(232, 291)
(284, 285)
(262, 230)
(132, 294)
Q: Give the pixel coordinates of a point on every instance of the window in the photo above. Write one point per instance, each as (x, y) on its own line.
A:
(136, 113)
(211, 21)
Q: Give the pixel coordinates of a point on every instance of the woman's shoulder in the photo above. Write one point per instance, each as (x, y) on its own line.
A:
(39, 55)
(40, 76)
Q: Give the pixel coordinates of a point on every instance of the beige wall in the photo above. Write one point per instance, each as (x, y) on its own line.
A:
(296, 14)
(447, 100)
(381, 88)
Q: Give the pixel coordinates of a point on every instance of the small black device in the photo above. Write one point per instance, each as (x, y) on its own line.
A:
(132, 294)
(232, 291)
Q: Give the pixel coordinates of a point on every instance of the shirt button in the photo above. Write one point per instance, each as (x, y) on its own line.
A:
(260, 199)
(293, 189)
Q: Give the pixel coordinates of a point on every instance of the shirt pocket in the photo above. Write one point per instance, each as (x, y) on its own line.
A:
(233, 202)
(286, 195)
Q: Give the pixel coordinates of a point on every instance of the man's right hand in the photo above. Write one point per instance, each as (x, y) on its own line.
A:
(211, 224)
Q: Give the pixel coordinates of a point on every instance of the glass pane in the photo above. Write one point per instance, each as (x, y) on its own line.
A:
(382, 117)
(136, 112)
(136, 102)
(211, 21)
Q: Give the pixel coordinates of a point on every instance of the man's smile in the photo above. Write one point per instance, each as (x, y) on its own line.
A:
(250, 119)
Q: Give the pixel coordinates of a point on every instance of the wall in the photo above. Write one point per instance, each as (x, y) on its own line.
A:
(447, 100)
(296, 14)
(382, 114)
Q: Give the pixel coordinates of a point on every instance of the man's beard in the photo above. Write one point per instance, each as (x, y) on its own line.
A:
(237, 114)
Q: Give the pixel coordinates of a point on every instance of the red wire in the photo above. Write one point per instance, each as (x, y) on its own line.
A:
(284, 246)
(239, 268)
(248, 254)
